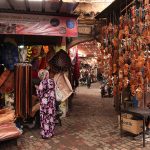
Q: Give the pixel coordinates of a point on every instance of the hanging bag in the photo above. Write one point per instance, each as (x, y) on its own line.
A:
(58, 93)
(63, 87)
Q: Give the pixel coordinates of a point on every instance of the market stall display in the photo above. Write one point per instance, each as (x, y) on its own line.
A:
(18, 78)
(128, 43)
(130, 62)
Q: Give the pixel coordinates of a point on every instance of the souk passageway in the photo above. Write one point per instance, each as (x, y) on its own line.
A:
(91, 125)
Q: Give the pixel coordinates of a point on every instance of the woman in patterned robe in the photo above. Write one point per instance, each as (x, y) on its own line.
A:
(46, 94)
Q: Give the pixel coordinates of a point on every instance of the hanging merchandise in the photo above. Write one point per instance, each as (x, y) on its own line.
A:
(36, 60)
(60, 62)
(23, 89)
(29, 53)
(63, 87)
(73, 54)
(59, 95)
(46, 49)
(23, 51)
(8, 85)
(130, 41)
(50, 53)
(4, 76)
(36, 51)
(9, 54)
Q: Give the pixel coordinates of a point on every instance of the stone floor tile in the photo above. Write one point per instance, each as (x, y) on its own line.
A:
(91, 125)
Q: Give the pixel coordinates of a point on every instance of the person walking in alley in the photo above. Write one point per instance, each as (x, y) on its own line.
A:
(46, 94)
(89, 80)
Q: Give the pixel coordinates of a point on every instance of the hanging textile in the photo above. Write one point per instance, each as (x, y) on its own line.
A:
(9, 55)
(8, 85)
(73, 53)
(23, 92)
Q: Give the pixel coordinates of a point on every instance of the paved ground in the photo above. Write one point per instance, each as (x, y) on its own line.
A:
(92, 125)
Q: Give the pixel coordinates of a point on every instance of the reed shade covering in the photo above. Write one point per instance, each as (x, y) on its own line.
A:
(23, 89)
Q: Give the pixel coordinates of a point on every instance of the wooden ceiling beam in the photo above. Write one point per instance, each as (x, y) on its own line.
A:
(75, 6)
(43, 6)
(27, 5)
(59, 7)
(37, 13)
(10, 4)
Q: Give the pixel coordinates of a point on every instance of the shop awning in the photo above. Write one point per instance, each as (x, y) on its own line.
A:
(54, 7)
(49, 7)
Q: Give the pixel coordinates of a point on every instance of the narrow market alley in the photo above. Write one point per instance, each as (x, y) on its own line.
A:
(91, 125)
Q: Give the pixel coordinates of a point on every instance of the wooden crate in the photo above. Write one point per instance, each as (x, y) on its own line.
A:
(130, 125)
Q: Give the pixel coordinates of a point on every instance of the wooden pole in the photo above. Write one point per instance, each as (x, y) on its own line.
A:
(127, 6)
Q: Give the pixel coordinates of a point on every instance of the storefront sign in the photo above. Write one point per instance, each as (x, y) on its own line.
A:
(78, 40)
(38, 25)
(87, 30)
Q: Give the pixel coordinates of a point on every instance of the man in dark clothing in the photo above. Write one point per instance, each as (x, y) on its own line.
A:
(89, 80)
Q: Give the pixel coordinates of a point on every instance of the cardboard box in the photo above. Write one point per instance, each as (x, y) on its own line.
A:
(130, 125)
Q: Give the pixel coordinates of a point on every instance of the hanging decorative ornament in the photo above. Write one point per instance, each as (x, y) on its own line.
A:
(139, 93)
(29, 53)
(23, 54)
(115, 79)
(110, 81)
(36, 51)
(46, 49)
(120, 85)
(120, 74)
(115, 42)
(133, 89)
(121, 33)
(121, 61)
(126, 30)
(140, 78)
(140, 61)
(115, 91)
(125, 82)
(133, 11)
(126, 69)
(121, 19)
(114, 68)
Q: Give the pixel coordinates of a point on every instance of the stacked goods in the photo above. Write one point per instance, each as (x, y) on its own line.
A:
(8, 128)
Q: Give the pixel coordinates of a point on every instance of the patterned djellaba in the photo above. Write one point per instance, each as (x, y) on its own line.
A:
(23, 89)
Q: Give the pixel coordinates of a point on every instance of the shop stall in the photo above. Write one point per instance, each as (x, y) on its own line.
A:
(128, 45)
(30, 43)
